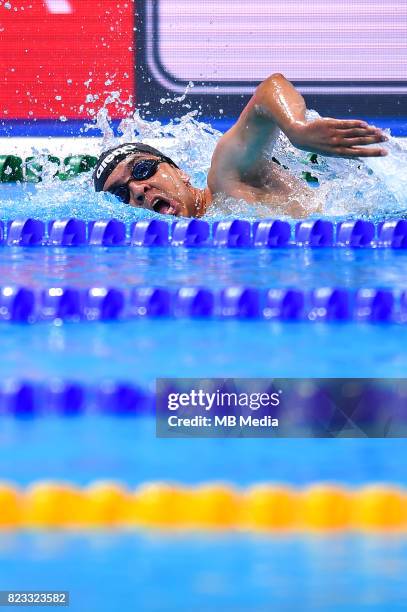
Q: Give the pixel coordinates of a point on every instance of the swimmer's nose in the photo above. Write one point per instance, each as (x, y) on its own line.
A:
(138, 192)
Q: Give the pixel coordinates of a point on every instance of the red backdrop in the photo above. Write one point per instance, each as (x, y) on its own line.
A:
(49, 49)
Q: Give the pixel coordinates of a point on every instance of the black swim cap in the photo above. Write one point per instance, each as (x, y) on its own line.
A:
(109, 159)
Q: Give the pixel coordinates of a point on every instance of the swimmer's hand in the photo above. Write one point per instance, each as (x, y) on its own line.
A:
(337, 138)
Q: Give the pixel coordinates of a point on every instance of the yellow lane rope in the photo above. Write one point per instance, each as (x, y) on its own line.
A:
(261, 507)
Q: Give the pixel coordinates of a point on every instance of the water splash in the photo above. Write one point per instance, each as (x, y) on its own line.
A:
(375, 188)
(370, 187)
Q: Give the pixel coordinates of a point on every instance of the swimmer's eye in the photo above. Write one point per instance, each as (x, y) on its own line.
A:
(142, 170)
(145, 169)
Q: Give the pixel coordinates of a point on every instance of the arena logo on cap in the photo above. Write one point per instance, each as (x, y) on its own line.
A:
(120, 151)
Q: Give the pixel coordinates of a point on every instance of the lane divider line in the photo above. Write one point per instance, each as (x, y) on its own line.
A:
(211, 506)
(197, 233)
(22, 304)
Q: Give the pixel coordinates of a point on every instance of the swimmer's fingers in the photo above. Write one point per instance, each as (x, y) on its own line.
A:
(361, 152)
(336, 138)
(362, 140)
(349, 129)
(353, 133)
(347, 124)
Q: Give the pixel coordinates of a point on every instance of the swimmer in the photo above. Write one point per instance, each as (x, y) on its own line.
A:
(241, 165)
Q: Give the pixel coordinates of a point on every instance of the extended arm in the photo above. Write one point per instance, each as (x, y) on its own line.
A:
(277, 101)
(276, 104)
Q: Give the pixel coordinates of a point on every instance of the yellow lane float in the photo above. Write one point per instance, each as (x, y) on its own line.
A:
(213, 506)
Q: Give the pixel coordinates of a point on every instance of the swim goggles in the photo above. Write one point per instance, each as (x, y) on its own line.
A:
(141, 171)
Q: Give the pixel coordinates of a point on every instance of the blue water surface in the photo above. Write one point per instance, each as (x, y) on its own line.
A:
(87, 448)
(140, 351)
(161, 571)
(304, 268)
(107, 572)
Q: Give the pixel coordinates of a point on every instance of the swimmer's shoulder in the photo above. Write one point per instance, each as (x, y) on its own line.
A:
(235, 168)
(223, 173)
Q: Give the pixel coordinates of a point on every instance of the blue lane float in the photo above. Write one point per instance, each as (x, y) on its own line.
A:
(149, 233)
(271, 234)
(232, 234)
(18, 398)
(195, 233)
(190, 233)
(239, 303)
(284, 305)
(355, 234)
(330, 305)
(67, 232)
(325, 304)
(64, 398)
(104, 304)
(117, 398)
(375, 305)
(150, 302)
(194, 302)
(25, 232)
(376, 402)
(314, 233)
(393, 234)
(17, 304)
(107, 233)
(63, 303)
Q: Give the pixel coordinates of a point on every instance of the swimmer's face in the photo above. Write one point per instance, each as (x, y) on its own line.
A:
(168, 191)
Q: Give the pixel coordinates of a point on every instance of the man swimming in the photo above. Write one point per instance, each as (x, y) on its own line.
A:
(241, 165)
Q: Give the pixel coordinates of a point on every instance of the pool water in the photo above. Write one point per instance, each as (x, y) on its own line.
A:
(141, 350)
(89, 448)
(234, 573)
(155, 571)
(210, 267)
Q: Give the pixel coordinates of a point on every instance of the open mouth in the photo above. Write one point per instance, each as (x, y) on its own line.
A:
(164, 207)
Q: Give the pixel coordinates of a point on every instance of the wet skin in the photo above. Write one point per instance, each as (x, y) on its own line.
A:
(241, 166)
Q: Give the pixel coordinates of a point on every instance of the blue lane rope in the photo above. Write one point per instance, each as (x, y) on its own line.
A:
(377, 403)
(25, 398)
(27, 305)
(270, 233)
